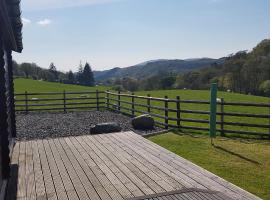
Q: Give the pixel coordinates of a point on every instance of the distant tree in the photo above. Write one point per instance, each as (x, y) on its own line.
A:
(88, 76)
(53, 70)
(71, 78)
(26, 69)
(79, 76)
(265, 88)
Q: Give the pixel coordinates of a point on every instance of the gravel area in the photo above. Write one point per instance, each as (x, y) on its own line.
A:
(51, 125)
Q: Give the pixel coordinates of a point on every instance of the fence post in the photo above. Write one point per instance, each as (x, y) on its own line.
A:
(166, 112)
(108, 100)
(64, 101)
(222, 117)
(148, 104)
(132, 105)
(118, 106)
(26, 102)
(97, 98)
(178, 112)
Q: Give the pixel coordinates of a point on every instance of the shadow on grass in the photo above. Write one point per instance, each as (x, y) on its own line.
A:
(236, 154)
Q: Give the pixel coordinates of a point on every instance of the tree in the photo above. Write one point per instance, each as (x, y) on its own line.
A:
(88, 76)
(71, 77)
(265, 88)
(53, 70)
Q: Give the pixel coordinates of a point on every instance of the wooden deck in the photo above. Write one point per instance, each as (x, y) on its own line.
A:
(112, 166)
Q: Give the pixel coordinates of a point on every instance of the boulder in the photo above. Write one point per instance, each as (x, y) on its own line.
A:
(110, 127)
(143, 122)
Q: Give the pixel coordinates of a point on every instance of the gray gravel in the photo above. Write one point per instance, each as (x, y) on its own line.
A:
(51, 125)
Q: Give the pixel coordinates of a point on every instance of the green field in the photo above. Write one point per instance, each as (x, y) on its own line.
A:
(243, 162)
(22, 85)
(29, 85)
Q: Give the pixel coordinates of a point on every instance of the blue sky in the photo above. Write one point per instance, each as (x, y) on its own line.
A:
(120, 33)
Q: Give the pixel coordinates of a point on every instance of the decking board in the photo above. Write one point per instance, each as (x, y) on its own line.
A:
(109, 167)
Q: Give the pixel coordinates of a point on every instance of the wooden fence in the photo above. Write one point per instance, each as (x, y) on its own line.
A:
(172, 113)
(168, 113)
(59, 101)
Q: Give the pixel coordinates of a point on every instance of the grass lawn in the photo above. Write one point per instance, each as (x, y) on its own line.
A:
(245, 163)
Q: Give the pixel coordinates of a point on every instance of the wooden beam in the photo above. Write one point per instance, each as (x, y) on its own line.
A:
(4, 142)
(10, 93)
(6, 29)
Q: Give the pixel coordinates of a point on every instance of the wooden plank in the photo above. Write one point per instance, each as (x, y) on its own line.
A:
(120, 152)
(150, 170)
(123, 168)
(30, 176)
(182, 178)
(59, 186)
(13, 182)
(118, 157)
(178, 162)
(39, 180)
(21, 193)
(71, 171)
(100, 182)
(69, 188)
(49, 184)
(72, 154)
(102, 168)
(209, 183)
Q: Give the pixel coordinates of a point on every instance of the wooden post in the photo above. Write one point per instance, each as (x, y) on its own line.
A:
(118, 106)
(11, 103)
(64, 101)
(26, 102)
(108, 100)
(97, 97)
(132, 105)
(222, 117)
(178, 112)
(148, 104)
(4, 142)
(166, 112)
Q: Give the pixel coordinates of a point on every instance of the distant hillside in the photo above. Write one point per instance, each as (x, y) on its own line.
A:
(154, 67)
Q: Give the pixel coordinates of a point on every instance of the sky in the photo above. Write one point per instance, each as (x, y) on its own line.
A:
(121, 33)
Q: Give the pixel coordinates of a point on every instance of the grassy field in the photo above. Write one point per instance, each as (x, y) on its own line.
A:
(22, 85)
(243, 162)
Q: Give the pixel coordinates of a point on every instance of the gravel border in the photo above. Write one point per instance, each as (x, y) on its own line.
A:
(53, 125)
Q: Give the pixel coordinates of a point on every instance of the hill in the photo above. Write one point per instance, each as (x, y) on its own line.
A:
(155, 67)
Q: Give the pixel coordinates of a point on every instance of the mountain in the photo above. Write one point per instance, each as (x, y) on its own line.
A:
(153, 67)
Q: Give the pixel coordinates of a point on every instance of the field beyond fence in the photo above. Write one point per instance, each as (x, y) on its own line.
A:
(245, 118)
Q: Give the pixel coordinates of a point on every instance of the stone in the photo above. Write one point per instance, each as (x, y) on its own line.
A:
(143, 122)
(110, 127)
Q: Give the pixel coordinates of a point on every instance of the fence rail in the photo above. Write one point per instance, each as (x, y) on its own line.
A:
(62, 101)
(168, 112)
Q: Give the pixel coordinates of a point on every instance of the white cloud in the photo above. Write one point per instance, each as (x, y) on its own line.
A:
(53, 4)
(26, 21)
(44, 22)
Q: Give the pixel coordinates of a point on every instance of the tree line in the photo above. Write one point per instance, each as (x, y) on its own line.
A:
(84, 75)
(243, 72)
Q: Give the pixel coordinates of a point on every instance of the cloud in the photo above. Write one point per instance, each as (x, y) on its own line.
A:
(26, 21)
(54, 4)
(44, 22)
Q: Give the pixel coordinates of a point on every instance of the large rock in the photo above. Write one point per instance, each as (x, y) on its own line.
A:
(111, 127)
(143, 122)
